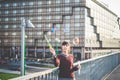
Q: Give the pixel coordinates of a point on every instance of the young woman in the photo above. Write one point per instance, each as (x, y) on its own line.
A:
(65, 62)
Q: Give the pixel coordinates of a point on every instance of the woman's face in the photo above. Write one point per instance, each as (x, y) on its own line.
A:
(66, 47)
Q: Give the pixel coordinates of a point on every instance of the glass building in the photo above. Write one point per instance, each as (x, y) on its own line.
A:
(93, 22)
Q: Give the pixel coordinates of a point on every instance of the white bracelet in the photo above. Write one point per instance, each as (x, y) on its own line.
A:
(55, 56)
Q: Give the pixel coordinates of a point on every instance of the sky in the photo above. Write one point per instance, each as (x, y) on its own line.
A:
(114, 5)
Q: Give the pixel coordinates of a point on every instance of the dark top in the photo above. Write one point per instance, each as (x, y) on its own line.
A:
(65, 64)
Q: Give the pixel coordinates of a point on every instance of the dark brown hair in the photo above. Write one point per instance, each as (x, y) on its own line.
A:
(65, 43)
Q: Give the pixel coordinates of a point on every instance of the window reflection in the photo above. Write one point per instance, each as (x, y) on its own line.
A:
(14, 4)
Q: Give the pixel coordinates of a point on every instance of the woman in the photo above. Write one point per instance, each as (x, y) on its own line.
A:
(65, 62)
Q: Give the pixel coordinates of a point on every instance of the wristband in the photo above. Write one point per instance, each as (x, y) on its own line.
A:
(55, 56)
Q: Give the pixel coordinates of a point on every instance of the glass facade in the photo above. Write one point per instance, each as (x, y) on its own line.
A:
(85, 19)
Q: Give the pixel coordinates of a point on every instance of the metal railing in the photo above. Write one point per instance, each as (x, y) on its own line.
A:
(97, 68)
(92, 69)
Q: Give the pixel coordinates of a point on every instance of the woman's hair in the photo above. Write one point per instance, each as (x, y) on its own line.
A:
(65, 43)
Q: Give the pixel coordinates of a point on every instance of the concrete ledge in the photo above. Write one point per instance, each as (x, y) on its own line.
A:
(9, 71)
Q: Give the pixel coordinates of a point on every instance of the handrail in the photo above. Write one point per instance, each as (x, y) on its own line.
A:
(27, 77)
(95, 58)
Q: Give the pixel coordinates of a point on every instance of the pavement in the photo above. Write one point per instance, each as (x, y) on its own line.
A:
(114, 75)
(9, 71)
(14, 67)
(29, 70)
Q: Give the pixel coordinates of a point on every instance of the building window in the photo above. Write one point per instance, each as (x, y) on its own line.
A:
(6, 5)
(58, 33)
(57, 17)
(22, 11)
(77, 9)
(30, 40)
(67, 1)
(77, 16)
(14, 11)
(77, 33)
(39, 40)
(67, 8)
(31, 3)
(39, 17)
(14, 4)
(49, 9)
(6, 26)
(49, 33)
(58, 1)
(49, 17)
(57, 26)
(48, 25)
(39, 33)
(77, 0)
(49, 2)
(30, 33)
(23, 3)
(39, 25)
(31, 11)
(13, 33)
(58, 9)
(14, 26)
(6, 12)
(39, 2)
(13, 41)
(39, 10)
(77, 24)
(6, 19)
(14, 19)
(67, 29)
(67, 17)
(82, 16)
(30, 18)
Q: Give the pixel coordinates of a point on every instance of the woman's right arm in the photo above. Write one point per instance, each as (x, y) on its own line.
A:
(56, 59)
(52, 50)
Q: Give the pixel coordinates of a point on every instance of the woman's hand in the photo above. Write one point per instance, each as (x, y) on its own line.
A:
(79, 66)
(52, 51)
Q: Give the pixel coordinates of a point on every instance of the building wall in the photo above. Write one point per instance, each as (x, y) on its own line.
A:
(89, 20)
(66, 15)
(101, 25)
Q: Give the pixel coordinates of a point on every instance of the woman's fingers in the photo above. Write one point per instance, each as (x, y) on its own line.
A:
(52, 51)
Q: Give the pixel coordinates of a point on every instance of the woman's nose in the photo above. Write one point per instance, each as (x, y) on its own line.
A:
(65, 46)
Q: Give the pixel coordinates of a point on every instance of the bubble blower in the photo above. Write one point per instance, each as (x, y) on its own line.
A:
(44, 33)
(57, 42)
(48, 42)
(45, 37)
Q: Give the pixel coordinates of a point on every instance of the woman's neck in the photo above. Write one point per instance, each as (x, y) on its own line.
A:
(65, 53)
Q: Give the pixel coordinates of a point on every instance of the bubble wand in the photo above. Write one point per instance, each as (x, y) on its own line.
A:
(57, 41)
(50, 46)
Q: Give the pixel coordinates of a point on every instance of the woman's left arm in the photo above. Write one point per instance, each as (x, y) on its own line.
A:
(75, 67)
